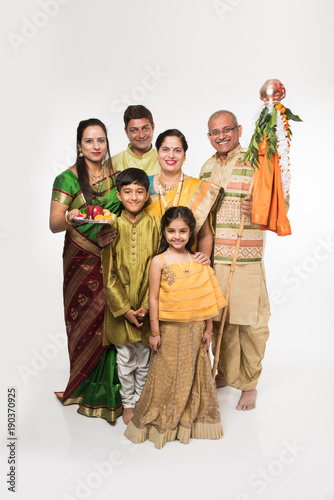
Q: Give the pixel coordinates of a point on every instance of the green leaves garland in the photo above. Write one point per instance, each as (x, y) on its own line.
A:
(266, 126)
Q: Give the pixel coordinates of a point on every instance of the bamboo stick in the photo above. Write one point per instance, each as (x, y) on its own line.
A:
(228, 288)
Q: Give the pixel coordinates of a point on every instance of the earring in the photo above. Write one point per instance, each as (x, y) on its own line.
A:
(80, 153)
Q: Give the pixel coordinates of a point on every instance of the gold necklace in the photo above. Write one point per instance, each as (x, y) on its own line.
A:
(186, 271)
(167, 187)
(96, 176)
(177, 195)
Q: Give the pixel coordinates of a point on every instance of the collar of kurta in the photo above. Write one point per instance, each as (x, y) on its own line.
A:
(139, 217)
(151, 152)
(231, 154)
(221, 172)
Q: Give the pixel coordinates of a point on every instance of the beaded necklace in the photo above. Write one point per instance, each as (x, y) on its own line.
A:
(186, 271)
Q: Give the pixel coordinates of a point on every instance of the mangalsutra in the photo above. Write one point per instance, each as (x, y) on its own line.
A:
(186, 271)
(97, 188)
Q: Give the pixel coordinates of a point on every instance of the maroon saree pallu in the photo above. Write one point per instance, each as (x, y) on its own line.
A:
(84, 304)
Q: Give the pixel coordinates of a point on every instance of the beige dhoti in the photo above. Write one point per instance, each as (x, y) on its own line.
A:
(246, 327)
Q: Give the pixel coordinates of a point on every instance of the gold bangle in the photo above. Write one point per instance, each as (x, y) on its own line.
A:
(66, 219)
(155, 319)
(207, 331)
(155, 334)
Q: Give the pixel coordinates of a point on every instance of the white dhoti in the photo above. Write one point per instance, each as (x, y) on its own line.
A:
(132, 364)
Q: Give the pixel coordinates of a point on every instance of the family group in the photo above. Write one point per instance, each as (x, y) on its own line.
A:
(142, 302)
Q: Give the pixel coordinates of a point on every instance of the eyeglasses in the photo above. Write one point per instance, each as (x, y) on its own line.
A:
(225, 130)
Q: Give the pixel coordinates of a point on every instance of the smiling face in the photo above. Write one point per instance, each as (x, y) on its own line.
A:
(177, 234)
(93, 144)
(133, 196)
(224, 142)
(140, 134)
(171, 155)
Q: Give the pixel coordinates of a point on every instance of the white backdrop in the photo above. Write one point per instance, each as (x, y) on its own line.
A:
(68, 60)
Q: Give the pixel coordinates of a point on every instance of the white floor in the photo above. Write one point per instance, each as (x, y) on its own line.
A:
(93, 59)
(281, 450)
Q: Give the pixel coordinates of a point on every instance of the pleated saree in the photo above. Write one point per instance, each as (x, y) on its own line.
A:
(93, 383)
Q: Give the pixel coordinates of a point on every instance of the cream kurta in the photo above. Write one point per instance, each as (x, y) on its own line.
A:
(246, 328)
(125, 267)
(245, 289)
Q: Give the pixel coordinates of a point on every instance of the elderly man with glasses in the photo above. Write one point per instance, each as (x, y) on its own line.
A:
(246, 327)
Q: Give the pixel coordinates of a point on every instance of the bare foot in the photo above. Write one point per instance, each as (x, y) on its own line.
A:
(220, 381)
(247, 400)
(127, 414)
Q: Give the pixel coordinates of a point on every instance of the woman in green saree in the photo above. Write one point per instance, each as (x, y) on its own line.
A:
(93, 382)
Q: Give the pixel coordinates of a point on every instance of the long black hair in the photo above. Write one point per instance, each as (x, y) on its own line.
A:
(82, 168)
(188, 218)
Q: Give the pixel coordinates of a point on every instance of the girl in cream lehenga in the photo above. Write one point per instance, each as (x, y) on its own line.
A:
(93, 382)
(179, 398)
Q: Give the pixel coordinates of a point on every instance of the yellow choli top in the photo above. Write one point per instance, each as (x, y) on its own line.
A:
(189, 297)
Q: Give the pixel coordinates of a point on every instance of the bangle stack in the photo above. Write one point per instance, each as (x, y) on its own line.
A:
(155, 334)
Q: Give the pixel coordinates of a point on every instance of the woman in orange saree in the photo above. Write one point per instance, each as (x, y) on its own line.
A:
(171, 187)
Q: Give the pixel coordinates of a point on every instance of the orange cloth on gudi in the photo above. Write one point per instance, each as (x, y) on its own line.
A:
(189, 297)
(268, 210)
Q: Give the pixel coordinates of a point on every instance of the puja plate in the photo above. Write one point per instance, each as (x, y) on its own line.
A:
(84, 220)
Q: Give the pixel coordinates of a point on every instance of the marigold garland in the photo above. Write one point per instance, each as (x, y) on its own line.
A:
(274, 125)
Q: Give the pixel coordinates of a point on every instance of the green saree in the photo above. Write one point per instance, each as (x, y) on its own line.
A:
(93, 383)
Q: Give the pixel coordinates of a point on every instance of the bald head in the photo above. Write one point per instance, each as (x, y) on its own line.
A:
(221, 112)
(224, 132)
